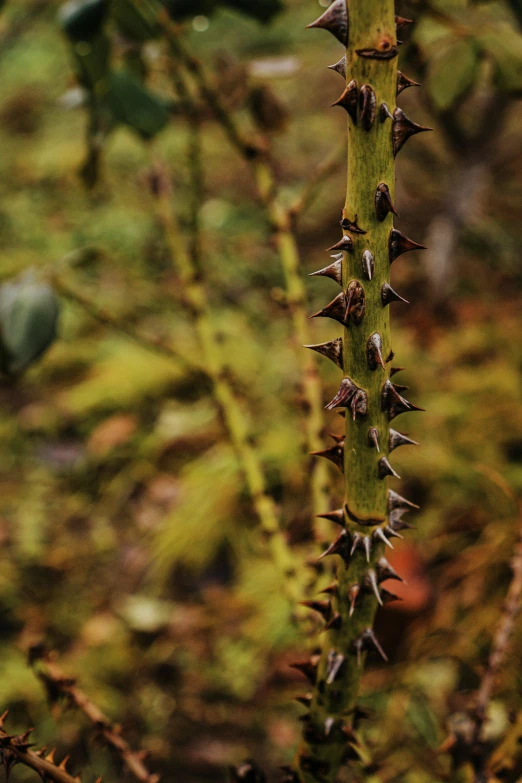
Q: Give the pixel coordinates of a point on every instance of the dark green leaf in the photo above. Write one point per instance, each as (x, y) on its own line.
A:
(28, 318)
(451, 71)
(91, 63)
(422, 718)
(81, 21)
(132, 104)
(263, 10)
(503, 44)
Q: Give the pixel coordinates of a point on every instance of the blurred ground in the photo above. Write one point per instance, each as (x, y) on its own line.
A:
(128, 542)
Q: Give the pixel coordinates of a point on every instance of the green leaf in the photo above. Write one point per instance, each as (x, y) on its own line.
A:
(132, 104)
(451, 72)
(422, 718)
(28, 318)
(204, 516)
(91, 63)
(81, 21)
(504, 45)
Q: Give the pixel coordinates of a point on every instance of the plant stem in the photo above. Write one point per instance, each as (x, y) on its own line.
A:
(57, 683)
(312, 386)
(328, 738)
(16, 750)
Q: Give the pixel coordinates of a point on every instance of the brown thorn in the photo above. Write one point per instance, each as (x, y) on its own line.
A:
(385, 469)
(383, 202)
(403, 128)
(348, 100)
(403, 82)
(339, 67)
(335, 20)
(373, 438)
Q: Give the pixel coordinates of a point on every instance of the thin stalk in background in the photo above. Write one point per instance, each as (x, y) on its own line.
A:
(192, 274)
(228, 404)
(283, 221)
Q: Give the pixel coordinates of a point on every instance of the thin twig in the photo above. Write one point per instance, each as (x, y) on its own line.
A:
(152, 343)
(58, 684)
(249, 148)
(311, 188)
(466, 743)
(503, 634)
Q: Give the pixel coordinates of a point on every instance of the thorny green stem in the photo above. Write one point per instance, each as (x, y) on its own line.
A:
(329, 736)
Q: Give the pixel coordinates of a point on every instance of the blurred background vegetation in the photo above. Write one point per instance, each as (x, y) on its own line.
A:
(128, 540)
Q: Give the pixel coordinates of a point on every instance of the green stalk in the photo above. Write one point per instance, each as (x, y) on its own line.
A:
(282, 220)
(192, 273)
(196, 301)
(369, 516)
(312, 385)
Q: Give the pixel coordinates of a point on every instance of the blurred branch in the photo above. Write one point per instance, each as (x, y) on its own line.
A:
(229, 406)
(503, 635)
(15, 749)
(286, 244)
(283, 225)
(151, 343)
(311, 188)
(214, 368)
(250, 148)
(468, 747)
(461, 204)
(58, 684)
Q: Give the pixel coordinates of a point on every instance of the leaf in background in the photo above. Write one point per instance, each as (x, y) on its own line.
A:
(82, 21)
(28, 317)
(504, 45)
(132, 104)
(422, 718)
(451, 72)
(180, 9)
(91, 63)
(205, 516)
(83, 24)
